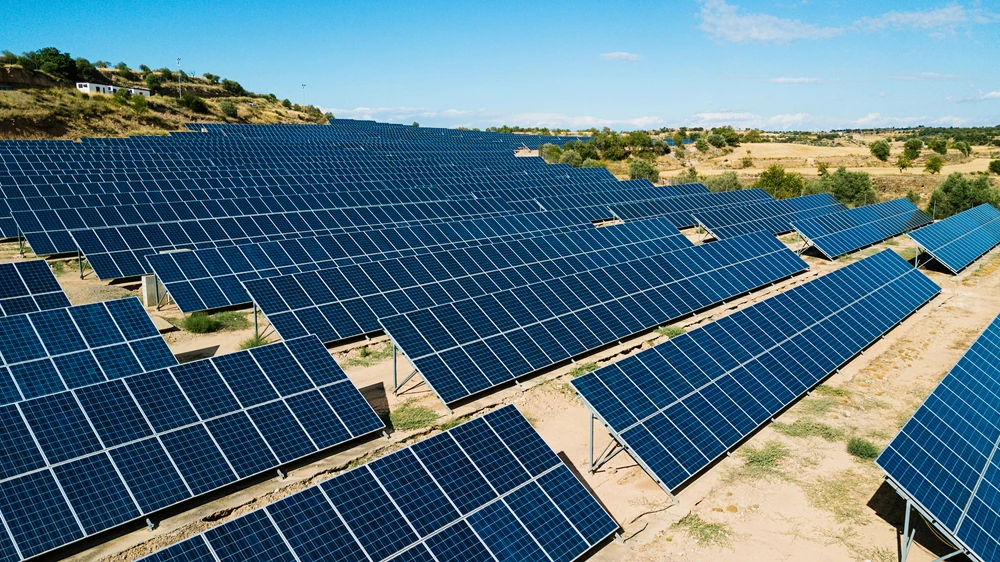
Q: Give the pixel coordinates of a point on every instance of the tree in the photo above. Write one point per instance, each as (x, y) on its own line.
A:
(934, 164)
(689, 175)
(903, 162)
(938, 145)
(153, 82)
(122, 96)
(913, 196)
(233, 87)
(727, 181)
(212, 78)
(912, 148)
(139, 104)
(822, 169)
(194, 103)
(145, 69)
(286, 103)
(753, 136)
(850, 188)
(550, 152)
(638, 141)
(716, 140)
(995, 167)
(123, 71)
(779, 183)
(731, 136)
(50, 61)
(228, 108)
(678, 139)
(702, 145)
(963, 147)
(8, 58)
(880, 150)
(958, 193)
(591, 163)
(415, 124)
(640, 168)
(660, 147)
(166, 74)
(571, 157)
(329, 116)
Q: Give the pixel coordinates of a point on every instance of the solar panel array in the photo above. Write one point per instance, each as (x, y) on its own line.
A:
(679, 406)
(489, 489)
(468, 346)
(51, 351)
(944, 459)
(29, 286)
(79, 462)
(348, 301)
(774, 216)
(961, 239)
(839, 233)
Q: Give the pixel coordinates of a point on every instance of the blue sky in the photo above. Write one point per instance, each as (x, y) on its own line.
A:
(775, 65)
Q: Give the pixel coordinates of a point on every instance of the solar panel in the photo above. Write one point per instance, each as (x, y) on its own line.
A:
(29, 286)
(839, 233)
(771, 216)
(55, 350)
(679, 406)
(944, 462)
(961, 239)
(346, 302)
(125, 448)
(469, 346)
(489, 489)
(680, 210)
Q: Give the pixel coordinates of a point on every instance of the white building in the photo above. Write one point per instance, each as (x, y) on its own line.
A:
(88, 88)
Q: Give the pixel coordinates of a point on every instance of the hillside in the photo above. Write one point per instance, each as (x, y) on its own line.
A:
(39, 100)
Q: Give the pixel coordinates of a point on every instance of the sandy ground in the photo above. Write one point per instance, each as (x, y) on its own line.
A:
(815, 503)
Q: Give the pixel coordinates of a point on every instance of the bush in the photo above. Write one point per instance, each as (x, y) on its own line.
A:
(934, 164)
(727, 181)
(153, 82)
(850, 188)
(716, 140)
(938, 145)
(124, 72)
(779, 183)
(591, 163)
(862, 448)
(689, 175)
(880, 150)
(145, 69)
(702, 145)
(287, 104)
(903, 162)
(255, 340)
(199, 323)
(963, 147)
(122, 96)
(913, 196)
(212, 78)
(958, 193)
(640, 168)
(228, 109)
(995, 167)
(550, 152)
(822, 169)
(912, 148)
(139, 104)
(572, 158)
(166, 74)
(233, 87)
(415, 124)
(194, 103)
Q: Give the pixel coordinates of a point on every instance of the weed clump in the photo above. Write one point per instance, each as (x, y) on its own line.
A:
(199, 323)
(409, 416)
(808, 428)
(703, 532)
(583, 369)
(862, 448)
(670, 331)
(255, 340)
(764, 462)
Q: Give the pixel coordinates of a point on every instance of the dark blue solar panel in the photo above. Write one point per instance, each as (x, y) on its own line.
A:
(961, 239)
(29, 286)
(944, 459)
(403, 507)
(125, 448)
(669, 406)
(461, 353)
(771, 216)
(845, 231)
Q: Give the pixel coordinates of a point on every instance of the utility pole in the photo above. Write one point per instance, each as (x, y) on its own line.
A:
(178, 77)
(303, 95)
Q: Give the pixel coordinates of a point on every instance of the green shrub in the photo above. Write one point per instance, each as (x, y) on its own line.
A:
(716, 140)
(903, 162)
(139, 104)
(779, 183)
(572, 158)
(995, 166)
(912, 148)
(255, 340)
(153, 81)
(958, 193)
(194, 103)
(702, 145)
(913, 196)
(963, 147)
(583, 369)
(938, 145)
(934, 164)
(122, 96)
(287, 104)
(228, 109)
(727, 181)
(199, 323)
(880, 150)
(212, 78)
(233, 87)
(862, 448)
(408, 416)
(591, 163)
(640, 168)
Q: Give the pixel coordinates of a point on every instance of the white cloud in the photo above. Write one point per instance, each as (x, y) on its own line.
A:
(488, 118)
(785, 80)
(582, 121)
(877, 120)
(746, 120)
(726, 22)
(620, 56)
(992, 95)
(927, 19)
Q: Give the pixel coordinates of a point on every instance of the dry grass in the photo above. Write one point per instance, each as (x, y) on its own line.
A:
(760, 463)
(842, 494)
(410, 416)
(703, 532)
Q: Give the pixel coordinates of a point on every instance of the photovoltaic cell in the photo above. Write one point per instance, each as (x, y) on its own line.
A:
(125, 448)
(961, 239)
(51, 351)
(838, 233)
(774, 216)
(460, 350)
(400, 507)
(29, 286)
(945, 460)
(679, 406)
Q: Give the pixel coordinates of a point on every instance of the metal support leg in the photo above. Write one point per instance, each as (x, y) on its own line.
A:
(20, 243)
(79, 258)
(396, 388)
(394, 370)
(610, 451)
(256, 329)
(156, 292)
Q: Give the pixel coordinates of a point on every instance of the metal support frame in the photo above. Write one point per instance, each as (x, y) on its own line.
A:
(256, 328)
(79, 259)
(610, 450)
(908, 534)
(20, 243)
(396, 385)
